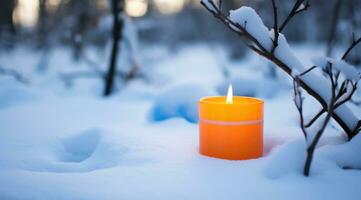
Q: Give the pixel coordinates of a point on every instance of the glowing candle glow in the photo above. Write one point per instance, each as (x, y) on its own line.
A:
(230, 94)
(231, 127)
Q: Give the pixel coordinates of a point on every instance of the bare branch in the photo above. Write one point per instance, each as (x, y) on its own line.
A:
(330, 110)
(342, 91)
(296, 9)
(353, 44)
(308, 70)
(312, 146)
(235, 27)
(299, 105)
(275, 26)
(298, 100)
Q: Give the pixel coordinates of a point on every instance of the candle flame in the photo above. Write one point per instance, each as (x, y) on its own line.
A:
(229, 99)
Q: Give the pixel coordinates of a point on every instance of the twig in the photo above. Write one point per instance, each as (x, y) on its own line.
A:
(311, 148)
(275, 26)
(294, 11)
(308, 70)
(298, 100)
(353, 44)
(342, 91)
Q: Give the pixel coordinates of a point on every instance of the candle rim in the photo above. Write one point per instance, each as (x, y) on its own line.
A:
(254, 102)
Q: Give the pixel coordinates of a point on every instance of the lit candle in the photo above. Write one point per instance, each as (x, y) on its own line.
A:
(231, 127)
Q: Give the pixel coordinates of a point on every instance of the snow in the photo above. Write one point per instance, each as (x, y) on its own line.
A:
(70, 143)
(301, 7)
(313, 79)
(285, 54)
(349, 71)
(13, 92)
(179, 101)
(344, 154)
(295, 154)
(250, 20)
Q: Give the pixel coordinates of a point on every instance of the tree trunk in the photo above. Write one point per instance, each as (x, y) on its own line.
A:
(117, 8)
(307, 166)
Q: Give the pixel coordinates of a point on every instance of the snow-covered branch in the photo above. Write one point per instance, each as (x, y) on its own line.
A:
(245, 22)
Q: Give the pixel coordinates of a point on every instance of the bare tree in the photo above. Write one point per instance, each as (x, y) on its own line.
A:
(254, 44)
(117, 9)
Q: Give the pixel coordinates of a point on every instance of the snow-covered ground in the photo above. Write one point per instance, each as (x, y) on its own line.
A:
(61, 142)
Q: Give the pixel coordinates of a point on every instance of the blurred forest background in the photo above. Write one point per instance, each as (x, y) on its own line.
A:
(43, 25)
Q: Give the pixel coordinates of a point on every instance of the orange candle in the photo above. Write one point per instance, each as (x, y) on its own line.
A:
(231, 127)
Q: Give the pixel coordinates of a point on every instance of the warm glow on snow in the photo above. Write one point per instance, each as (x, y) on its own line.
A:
(136, 8)
(230, 94)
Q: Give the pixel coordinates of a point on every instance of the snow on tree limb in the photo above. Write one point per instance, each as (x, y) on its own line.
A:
(252, 23)
(349, 71)
(249, 25)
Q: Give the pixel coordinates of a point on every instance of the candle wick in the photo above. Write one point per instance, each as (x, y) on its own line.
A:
(229, 99)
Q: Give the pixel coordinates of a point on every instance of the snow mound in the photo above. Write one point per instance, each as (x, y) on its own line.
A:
(179, 101)
(80, 147)
(13, 92)
(83, 152)
(290, 158)
(287, 159)
(86, 151)
(345, 155)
